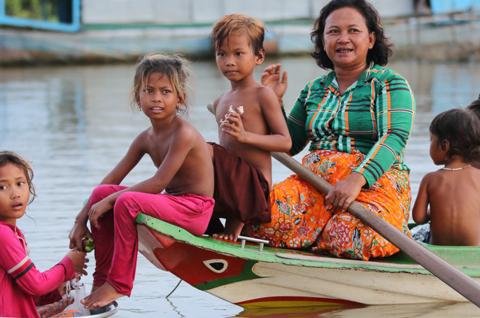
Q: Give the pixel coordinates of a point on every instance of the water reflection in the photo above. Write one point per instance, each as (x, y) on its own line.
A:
(174, 308)
(74, 124)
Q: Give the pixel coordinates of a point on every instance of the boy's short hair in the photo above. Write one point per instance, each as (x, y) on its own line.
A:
(232, 23)
(461, 128)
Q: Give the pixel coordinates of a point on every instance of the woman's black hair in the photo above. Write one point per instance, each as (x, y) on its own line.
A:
(461, 128)
(381, 50)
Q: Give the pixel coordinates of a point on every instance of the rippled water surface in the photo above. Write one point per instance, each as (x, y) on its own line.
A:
(75, 123)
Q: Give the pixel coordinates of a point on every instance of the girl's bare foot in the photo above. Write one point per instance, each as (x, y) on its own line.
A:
(102, 296)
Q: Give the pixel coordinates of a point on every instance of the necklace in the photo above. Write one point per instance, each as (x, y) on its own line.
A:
(455, 169)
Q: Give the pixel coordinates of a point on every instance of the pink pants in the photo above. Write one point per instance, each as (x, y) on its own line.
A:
(116, 241)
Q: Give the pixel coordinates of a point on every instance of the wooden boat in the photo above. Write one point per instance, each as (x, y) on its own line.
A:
(252, 277)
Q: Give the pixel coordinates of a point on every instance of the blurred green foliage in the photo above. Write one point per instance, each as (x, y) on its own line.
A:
(46, 10)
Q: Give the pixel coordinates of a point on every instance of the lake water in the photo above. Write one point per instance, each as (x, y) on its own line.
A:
(74, 123)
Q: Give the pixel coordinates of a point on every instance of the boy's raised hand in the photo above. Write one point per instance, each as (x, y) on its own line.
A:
(79, 261)
(274, 78)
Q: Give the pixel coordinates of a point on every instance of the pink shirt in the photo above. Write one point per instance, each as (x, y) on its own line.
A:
(20, 281)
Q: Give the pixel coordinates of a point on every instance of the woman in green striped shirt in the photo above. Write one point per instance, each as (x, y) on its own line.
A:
(357, 119)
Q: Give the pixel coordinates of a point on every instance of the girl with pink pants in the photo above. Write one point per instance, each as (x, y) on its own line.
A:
(116, 259)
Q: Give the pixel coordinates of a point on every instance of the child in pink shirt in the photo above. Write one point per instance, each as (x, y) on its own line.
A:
(21, 284)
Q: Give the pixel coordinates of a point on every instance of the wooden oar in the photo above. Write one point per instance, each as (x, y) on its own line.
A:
(454, 278)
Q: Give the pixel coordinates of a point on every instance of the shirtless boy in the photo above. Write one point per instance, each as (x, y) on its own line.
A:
(452, 192)
(249, 115)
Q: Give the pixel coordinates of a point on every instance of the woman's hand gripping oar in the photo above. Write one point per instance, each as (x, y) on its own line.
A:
(454, 278)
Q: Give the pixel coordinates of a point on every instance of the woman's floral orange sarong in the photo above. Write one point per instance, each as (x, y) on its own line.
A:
(301, 220)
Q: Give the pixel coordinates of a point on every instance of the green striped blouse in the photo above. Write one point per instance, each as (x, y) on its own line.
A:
(374, 116)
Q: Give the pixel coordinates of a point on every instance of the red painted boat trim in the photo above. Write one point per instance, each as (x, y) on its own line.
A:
(188, 262)
(299, 299)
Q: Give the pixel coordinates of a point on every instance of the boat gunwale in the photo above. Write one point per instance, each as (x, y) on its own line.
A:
(294, 257)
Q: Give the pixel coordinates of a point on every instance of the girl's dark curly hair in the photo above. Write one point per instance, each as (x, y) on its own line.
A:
(381, 50)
